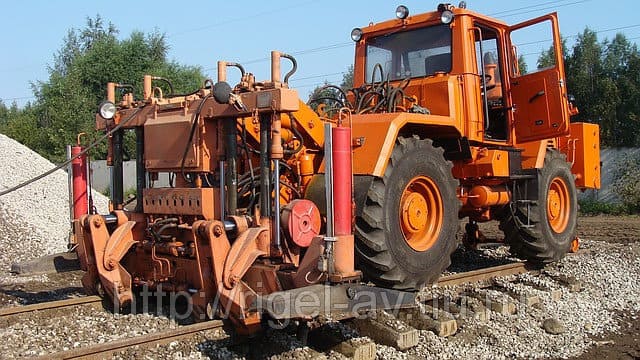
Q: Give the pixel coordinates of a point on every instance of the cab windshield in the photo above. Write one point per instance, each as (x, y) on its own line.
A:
(409, 54)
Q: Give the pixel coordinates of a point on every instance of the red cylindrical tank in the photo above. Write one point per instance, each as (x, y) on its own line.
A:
(342, 178)
(79, 172)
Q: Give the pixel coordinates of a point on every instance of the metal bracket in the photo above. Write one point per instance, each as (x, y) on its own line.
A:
(344, 300)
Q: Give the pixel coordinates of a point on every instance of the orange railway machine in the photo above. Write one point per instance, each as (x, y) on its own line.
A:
(272, 202)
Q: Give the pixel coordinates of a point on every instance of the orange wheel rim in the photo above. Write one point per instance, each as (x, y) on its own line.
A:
(558, 205)
(421, 213)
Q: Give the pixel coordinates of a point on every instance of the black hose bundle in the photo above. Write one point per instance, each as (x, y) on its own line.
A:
(374, 97)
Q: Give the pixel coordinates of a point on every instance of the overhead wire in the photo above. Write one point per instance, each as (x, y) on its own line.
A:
(499, 13)
(545, 8)
(530, 8)
(517, 11)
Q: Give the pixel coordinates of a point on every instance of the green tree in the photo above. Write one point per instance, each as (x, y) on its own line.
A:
(618, 56)
(548, 57)
(522, 65)
(66, 103)
(329, 95)
(603, 76)
(585, 81)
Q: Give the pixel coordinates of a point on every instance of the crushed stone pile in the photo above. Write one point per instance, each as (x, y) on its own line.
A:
(34, 220)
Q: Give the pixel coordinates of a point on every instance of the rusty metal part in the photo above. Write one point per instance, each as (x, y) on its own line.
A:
(308, 272)
(250, 245)
(484, 274)
(104, 260)
(16, 310)
(111, 92)
(182, 201)
(154, 339)
(311, 301)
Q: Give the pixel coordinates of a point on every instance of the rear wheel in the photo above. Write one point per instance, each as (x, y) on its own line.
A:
(406, 232)
(542, 231)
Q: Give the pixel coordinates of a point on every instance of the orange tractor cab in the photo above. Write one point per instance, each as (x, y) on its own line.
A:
(272, 203)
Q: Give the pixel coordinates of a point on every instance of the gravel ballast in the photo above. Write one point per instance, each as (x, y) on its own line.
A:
(607, 270)
(34, 220)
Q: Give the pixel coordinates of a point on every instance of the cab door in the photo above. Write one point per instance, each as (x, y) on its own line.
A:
(539, 98)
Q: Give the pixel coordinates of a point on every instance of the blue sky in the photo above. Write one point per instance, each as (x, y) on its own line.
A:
(315, 32)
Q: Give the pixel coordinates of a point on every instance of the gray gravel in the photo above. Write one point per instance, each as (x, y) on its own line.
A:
(609, 274)
(34, 220)
(47, 332)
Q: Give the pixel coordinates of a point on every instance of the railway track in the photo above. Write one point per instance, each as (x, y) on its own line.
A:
(445, 326)
(484, 274)
(49, 305)
(162, 337)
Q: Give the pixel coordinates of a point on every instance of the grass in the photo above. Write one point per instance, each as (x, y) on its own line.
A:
(128, 193)
(593, 207)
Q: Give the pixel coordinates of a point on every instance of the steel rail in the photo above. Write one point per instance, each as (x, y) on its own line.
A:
(99, 351)
(484, 274)
(16, 310)
(181, 332)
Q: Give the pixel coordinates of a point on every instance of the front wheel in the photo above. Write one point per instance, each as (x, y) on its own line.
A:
(542, 230)
(406, 233)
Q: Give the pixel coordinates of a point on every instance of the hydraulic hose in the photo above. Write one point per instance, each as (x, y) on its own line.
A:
(294, 63)
(194, 125)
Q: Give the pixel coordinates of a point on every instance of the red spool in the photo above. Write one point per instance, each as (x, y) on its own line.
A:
(301, 221)
(342, 177)
(79, 174)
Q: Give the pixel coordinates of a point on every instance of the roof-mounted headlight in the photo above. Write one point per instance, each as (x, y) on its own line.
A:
(356, 34)
(402, 12)
(107, 110)
(446, 17)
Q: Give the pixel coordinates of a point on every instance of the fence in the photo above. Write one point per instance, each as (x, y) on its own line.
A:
(608, 157)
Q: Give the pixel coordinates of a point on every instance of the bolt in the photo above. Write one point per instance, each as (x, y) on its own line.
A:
(234, 280)
(111, 264)
(217, 230)
(97, 222)
(351, 292)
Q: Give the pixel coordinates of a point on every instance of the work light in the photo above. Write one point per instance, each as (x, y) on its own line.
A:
(107, 110)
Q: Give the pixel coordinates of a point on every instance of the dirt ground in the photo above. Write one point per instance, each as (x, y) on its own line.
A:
(624, 344)
(625, 230)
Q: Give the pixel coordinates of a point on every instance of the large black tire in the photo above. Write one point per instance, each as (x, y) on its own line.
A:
(417, 178)
(546, 234)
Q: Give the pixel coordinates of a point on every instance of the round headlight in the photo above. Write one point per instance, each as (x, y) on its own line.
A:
(107, 110)
(446, 17)
(402, 12)
(356, 34)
